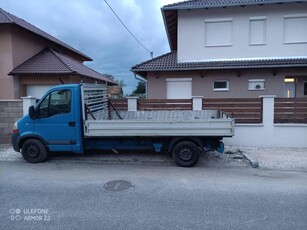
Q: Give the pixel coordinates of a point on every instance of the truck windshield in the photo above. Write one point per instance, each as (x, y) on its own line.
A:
(57, 102)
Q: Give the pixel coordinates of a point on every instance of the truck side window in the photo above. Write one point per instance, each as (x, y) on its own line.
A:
(57, 102)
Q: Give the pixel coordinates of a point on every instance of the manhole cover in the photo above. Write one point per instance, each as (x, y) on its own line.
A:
(117, 185)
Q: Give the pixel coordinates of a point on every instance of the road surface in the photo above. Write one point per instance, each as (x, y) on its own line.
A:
(72, 195)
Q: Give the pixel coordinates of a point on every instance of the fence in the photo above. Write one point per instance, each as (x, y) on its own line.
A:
(10, 111)
(266, 121)
(118, 104)
(290, 110)
(244, 110)
(164, 104)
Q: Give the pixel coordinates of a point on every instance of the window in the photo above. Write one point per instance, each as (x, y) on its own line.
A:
(305, 88)
(295, 29)
(178, 88)
(256, 84)
(218, 32)
(257, 31)
(57, 102)
(221, 85)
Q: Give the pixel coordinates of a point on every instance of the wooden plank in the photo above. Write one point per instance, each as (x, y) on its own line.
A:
(164, 101)
(291, 105)
(247, 105)
(298, 99)
(294, 121)
(232, 100)
(237, 110)
(248, 121)
(162, 106)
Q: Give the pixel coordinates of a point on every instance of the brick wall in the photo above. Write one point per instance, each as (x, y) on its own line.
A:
(10, 111)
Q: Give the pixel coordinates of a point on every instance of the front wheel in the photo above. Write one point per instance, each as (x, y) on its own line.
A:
(186, 153)
(34, 151)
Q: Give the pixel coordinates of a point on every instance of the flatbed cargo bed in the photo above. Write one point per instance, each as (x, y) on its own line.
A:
(162, 123)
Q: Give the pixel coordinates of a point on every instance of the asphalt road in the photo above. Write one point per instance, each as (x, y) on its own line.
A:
(70, 195)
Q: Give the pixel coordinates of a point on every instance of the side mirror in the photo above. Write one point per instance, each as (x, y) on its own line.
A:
(32, 113)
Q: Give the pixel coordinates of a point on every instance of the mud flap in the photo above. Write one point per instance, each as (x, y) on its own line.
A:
(220, 147)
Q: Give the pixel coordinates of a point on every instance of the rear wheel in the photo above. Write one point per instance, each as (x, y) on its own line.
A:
(186, 153)
(34, 151)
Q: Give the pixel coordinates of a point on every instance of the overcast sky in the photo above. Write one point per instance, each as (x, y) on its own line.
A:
(91, 27)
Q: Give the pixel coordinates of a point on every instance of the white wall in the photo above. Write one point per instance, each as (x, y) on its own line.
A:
(192, 38)
(286, 135)
(269, 134)
(266, 134)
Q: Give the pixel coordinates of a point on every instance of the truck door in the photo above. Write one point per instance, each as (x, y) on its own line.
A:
(56, 121)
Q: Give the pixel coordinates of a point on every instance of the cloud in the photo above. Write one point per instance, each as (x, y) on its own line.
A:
(92, 28)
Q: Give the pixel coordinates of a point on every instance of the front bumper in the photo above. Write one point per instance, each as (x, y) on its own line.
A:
(15, 141)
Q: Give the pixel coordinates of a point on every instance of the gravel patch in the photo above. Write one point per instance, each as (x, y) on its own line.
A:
(277, 158)
(7, 153)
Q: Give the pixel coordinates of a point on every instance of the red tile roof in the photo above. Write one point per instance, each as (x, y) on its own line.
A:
(51, 62)
(169, 62)
(192, 4)
(7, 18)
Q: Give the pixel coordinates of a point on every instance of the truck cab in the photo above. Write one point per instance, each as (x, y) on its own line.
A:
(54, 124)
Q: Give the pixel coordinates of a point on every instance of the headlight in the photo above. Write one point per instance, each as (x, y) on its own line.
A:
(15, 128)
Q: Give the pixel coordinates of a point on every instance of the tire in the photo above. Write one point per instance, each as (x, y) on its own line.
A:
(186, 153)
(34, 151)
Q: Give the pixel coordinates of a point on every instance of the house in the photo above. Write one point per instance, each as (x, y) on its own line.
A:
(232, 49)
(115, 91)
(32, 60)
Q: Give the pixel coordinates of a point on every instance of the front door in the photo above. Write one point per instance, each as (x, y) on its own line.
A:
(56, 121)
(290, 90)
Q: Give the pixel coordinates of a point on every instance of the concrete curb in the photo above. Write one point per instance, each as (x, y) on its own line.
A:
(251, 160)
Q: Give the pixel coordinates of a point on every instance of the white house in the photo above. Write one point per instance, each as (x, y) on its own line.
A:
(242, 48)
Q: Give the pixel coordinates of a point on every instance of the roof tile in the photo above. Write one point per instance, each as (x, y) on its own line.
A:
(222, 3)
(51, 62)
(169, 62)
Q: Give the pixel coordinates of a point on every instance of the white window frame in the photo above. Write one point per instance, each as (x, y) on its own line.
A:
(257, 19)
(219, 20)
(221, 89)
(256, 80)
(293, 16)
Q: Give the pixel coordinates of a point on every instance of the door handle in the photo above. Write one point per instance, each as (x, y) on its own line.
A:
(72, 124)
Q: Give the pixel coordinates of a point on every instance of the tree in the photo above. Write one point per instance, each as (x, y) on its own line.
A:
(140, 89)
(120, 83)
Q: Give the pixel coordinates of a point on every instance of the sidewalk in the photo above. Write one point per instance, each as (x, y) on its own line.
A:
(276, 158)
(289, 159)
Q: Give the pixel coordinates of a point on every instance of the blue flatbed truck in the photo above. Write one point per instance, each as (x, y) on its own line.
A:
(77, 117)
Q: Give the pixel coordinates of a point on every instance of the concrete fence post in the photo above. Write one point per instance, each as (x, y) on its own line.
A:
(132, 103)
(27, 102)
(268, 110)
(197, 102)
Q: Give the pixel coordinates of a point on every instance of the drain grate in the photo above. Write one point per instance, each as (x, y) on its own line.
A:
(117, 185)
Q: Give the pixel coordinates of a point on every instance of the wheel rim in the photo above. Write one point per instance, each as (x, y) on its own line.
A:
(186, 154)
(33, 151)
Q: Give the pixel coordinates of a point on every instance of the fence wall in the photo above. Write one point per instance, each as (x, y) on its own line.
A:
(290, 110)
(10, 112)
(264, 121)
(244, 110)
(271, 134)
